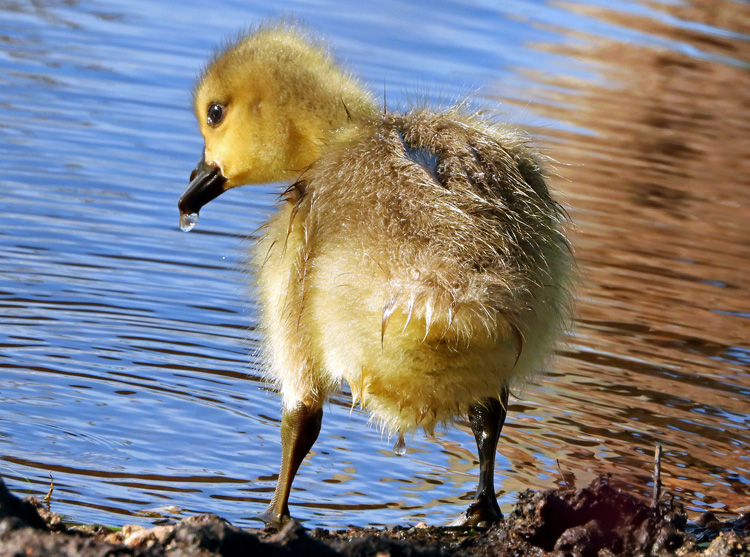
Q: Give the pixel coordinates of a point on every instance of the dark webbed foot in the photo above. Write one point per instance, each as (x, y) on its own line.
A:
(483, 512)
(275, 520)
(487, 419)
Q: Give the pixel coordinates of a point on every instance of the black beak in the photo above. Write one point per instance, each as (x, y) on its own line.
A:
(206, 184)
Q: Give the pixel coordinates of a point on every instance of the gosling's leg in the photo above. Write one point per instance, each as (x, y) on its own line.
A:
(487, 419)
(299, 430)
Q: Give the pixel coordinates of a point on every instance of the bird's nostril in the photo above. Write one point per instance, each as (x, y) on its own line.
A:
(193, 173)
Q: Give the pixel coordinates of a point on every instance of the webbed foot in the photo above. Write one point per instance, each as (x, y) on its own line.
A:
(482, 513)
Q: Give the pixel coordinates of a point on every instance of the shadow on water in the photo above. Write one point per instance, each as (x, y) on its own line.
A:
(124, 343)
(655, 165)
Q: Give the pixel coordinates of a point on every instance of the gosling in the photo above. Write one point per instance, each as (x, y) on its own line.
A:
(418, 257)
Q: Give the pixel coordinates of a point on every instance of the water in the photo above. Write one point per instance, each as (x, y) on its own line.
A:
(188, 221)
(127, 360)
(399, 447)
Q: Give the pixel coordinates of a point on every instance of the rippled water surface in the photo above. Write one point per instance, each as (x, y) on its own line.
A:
(126, 360)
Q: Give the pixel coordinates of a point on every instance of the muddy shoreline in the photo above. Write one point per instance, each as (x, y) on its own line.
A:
(598, 520)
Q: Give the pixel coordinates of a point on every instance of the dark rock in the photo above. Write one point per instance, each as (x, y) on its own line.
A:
(25, 511)
(210, 535)
(385, 546)
(31, 542)
(294, 538)
(596, 521)
(584, 535)
(705, 518)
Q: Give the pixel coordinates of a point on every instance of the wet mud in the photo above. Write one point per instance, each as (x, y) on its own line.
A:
(599, 520)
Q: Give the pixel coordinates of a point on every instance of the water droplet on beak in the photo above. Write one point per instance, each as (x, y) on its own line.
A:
(399, 449)
(188, 221)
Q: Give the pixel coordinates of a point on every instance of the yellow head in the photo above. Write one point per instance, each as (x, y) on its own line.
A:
(267, 106)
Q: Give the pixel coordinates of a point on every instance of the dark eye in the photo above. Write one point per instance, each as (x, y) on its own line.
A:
(215, 114)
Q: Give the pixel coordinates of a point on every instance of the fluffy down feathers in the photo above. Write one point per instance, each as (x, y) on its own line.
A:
(421, 260)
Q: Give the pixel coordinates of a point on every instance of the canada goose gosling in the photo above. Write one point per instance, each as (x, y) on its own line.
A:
(418, 257)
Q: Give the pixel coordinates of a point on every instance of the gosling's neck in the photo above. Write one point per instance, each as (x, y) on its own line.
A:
(310, 136)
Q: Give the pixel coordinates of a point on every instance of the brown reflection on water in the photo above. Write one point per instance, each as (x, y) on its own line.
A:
(658, 182)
